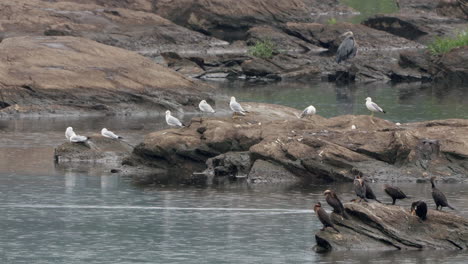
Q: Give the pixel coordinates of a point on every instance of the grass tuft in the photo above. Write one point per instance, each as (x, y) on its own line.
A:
(332, 21)
(263, 49)
(444, 45)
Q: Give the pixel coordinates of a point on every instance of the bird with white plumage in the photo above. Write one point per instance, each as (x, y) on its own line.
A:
(310, 110)
(69, 133)
(109, 134)
(236, 107)
(373, 107)
(205, 107)
(173, 121)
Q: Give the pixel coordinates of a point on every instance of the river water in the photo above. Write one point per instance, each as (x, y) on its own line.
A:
(84, 214)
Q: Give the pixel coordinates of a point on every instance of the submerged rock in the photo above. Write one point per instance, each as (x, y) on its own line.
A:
(375, 226)
(310, 149)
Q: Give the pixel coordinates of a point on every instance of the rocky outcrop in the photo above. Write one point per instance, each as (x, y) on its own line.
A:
(70, 75)
(450, 67)
(453, 8)
(231, 19)
(311, 149)
(125, 24)
(97, 149)
(375, 226)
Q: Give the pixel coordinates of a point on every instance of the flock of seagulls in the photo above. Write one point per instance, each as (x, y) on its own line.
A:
(71, 136)
(364, 191)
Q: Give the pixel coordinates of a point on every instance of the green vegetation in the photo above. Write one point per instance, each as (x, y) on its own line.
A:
(332, 21)
(444, 45)
(263, 49)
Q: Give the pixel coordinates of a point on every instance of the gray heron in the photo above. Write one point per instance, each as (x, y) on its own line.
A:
(347, 48)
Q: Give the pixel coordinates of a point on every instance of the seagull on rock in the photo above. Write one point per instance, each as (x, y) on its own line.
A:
(172, 121)
(373, 107)
(205, 107)
(78, 139)
(236, 107)
(69, 133)
(109, 134)
(310, 110)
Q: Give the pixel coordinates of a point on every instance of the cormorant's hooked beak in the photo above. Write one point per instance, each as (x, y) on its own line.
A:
(413, 212)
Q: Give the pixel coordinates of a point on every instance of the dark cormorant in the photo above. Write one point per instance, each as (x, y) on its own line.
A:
(360, 187)
(347, 48)
(333, 200)
(369, 193)
(394, 192)
(420, 209)
(439, 197)
(323, 217)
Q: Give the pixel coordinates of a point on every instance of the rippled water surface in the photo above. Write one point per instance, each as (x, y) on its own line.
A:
(84, 214)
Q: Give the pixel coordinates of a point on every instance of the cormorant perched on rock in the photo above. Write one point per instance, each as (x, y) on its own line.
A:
(439, 197)
(323, 217)
(420, 208)
(369, 193)
(360, 187)
(333, 200)
(394, 192)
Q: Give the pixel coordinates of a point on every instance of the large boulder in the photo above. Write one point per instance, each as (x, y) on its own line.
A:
(311, 149)
(115, 23)
(58, 75)
(231, 19)
(453, 66)
(375, 226)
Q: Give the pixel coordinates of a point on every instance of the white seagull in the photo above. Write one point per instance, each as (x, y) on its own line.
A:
(109, 134)
(373, 107)
(78, 139)
(236, 107)
(172, 121)
(205, 107)
(69, 133)
(310, 110)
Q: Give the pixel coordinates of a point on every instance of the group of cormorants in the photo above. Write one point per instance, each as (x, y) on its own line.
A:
(364, 192)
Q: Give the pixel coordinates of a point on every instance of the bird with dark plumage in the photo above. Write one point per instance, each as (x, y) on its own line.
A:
(394, 192)
(333, 200)
(420, 209)
(439, 197)
(360, 188)
(347, 48)
(369, 192)
(323, 217)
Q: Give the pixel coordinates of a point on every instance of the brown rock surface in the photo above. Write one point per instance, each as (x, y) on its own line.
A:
(315, 148)
(76, 75)
(387, 227)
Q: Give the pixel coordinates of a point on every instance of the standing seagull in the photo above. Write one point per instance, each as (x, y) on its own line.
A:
(394, 192)
(333, 200)
(236, 107)
(109, 134)
(205, 107)
(69, 133)
(172, 121)
(310, 110)
(323, 217)
(373, 107)
(439, 197)
(347, 48)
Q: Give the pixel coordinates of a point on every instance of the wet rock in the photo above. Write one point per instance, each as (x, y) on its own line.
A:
(116, 23)
(231, 19)
(314, 148)
(97, 149)
(375, 226)
(184, 66)
(44, 75)
(453, 66)
(453, 8)
(419, 27)
(229, 166)
(260, 68)
(266, 172)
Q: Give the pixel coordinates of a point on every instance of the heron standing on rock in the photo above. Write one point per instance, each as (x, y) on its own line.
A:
(347, 48)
